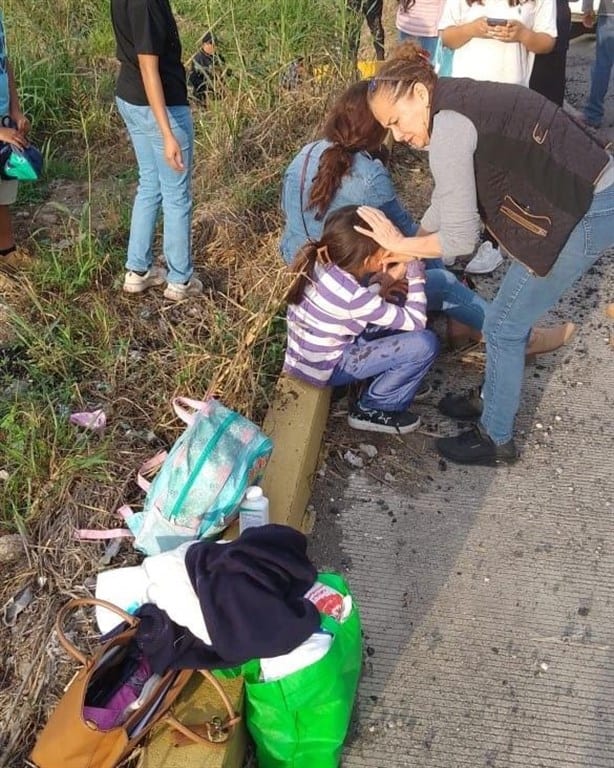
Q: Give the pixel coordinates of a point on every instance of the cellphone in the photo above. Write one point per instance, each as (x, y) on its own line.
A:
(496, 22)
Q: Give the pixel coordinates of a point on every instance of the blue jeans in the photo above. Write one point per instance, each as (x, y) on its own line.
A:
(445, 293)
(160, 185)
(520, 302)
(601, 70)
(395, 361)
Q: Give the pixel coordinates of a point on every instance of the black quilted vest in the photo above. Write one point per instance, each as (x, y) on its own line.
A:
(535, 166)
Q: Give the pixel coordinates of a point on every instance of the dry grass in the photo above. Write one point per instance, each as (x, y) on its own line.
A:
(82, 344)
(130, 357)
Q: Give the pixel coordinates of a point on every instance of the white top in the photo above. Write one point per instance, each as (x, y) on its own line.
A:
(483, 59)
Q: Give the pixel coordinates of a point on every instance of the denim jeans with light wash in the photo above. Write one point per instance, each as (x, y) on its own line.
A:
(445, 293)
(522, 299)
(160, 185)
(601, 70)
(395, 361)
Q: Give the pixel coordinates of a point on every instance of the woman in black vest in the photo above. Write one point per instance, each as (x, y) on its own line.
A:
(540, 183)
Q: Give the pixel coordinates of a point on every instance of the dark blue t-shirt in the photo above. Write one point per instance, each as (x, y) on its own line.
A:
(147, 27)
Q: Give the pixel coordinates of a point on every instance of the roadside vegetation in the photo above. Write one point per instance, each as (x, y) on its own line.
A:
(71, 341)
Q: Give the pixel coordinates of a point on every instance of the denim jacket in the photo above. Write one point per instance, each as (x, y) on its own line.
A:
(367, 183)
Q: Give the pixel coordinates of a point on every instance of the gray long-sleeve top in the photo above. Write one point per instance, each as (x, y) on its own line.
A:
(453, 212)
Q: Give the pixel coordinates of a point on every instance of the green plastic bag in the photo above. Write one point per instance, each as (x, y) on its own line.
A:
(301, 721)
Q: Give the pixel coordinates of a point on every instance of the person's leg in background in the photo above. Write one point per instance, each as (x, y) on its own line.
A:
(140, 122)
(176, 189)
(445, 293)
(373, 10)
(11, 256)
(548, 75)
(601, 71)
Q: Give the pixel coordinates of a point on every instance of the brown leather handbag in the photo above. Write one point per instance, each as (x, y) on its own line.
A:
(70, 740)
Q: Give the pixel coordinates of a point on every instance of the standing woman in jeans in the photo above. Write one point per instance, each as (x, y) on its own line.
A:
(151, 97)
(543, 186)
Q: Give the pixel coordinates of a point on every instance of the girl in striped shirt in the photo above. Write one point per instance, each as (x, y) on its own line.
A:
(341, 331)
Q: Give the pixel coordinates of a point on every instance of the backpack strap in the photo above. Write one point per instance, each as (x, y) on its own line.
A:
(147, 468)
(302, 186)
(95, 534)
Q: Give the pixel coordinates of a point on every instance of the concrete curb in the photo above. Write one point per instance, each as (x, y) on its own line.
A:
(295, 421)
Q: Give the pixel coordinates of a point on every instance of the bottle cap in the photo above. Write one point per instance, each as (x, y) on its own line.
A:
(253, 492)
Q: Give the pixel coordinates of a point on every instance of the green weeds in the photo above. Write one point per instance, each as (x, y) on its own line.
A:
(79, 342)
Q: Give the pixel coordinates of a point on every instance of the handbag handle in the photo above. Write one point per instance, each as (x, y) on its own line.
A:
(79, 602)
(211, 732)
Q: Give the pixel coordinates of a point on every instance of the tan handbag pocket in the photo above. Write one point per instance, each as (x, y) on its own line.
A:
(537, 225)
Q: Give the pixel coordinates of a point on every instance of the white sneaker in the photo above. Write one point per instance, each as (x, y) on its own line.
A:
(181, 291)
(135, 283)
(486, 260)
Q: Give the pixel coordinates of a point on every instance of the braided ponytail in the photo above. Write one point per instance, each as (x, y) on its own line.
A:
(408, 65)
(350, 128)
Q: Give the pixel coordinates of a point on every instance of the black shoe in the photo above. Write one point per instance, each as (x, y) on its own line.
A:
(374, 420)
(476, 447)
(462, 407)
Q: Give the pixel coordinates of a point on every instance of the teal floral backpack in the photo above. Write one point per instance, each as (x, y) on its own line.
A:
(201, 481)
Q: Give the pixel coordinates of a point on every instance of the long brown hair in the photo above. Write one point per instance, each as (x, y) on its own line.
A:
(409, 64)
(351, 128)
(339, 244)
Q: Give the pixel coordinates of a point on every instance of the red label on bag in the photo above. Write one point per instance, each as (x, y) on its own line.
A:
(326, 599)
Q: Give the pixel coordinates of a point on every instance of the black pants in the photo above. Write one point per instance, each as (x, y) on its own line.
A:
(372, 11)
(548, 76)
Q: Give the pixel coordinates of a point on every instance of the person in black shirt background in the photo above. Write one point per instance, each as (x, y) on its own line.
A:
(151, 96)
(548, 76)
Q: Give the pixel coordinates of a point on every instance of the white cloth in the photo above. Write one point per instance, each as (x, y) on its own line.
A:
(304, 655)
(161, 579)
(483, 59)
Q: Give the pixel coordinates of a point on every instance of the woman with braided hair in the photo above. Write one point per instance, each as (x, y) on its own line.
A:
(543, 187)
(343, 168)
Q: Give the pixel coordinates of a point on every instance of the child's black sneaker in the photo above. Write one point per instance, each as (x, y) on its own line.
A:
(374, 420)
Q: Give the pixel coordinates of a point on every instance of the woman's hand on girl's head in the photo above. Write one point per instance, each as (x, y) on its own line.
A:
(383, 231)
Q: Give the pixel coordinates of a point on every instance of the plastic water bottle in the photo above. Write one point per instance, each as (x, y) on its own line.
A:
(254, 509)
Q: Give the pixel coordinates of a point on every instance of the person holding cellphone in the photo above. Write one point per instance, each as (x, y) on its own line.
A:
(497, 39)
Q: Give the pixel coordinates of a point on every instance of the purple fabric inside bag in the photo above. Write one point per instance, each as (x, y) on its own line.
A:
(113, 711)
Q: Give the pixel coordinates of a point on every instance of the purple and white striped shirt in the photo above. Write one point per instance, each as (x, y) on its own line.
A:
(334, 310)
